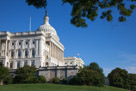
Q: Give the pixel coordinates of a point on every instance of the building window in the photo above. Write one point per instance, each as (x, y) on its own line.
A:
(47, 64)
(1, 63)
(26, 43)
(18, 64)
(19, 53)
(20, 43)
(33, 52)
(12, 43)
(33, 42)
(32, 63)
(47, 57)
(26, 53)
(11, 65)
(25, 62)
(12, 53)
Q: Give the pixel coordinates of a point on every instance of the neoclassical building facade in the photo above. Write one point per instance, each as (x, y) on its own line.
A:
(40, 48)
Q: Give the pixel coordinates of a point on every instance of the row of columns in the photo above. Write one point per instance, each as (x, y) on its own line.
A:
(22, 53)
(14, 64)
(23, 44)
(6, 50)
(56, 52)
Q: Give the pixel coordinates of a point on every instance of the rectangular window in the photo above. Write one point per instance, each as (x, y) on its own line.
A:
(18, 64)
(32, 63)
(25, 62)
(11, 65)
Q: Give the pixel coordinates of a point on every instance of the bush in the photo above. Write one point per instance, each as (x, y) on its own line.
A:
(8, 80)
(5, 76)
(120, 78)
(39, 79)
(75, 81)
(56, 80)
(90, 75)
(25, 74)
(64, 81)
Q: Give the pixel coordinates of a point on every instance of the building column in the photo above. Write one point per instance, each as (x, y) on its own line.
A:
(21, 63)
(14, 65)
(6, 48)
(50, 49)
(29, 62)
(36, 48)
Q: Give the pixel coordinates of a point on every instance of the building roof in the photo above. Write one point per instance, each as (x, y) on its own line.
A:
(46, 27)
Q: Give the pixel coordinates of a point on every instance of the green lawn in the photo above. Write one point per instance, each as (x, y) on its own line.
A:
(55, 87)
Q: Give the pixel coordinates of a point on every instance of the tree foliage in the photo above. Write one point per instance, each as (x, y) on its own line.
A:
(90, 9)
(121, 78)
(5, 76)
(89, 75)
(25, 74)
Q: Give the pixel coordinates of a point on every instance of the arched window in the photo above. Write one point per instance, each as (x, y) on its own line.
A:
(46, 63)
(12, 53)
(19, 53)
(26, 53)
(33, 52)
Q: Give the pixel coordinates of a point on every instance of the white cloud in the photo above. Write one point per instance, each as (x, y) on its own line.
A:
(131, 69)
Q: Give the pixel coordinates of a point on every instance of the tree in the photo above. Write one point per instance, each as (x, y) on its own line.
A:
(25, 74)
(118, 78)
(5, 75)
(132, 82)
(89, 75)
(90, 9)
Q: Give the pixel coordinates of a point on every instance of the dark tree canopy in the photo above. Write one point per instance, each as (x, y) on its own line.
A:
(25, 74)
(90, 9)
(91, 75)
(121, 78)
(5, 75)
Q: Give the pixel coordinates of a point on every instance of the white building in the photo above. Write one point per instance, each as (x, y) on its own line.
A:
(40, 48)
(71, 61)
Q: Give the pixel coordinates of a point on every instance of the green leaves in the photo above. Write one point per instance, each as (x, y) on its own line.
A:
(37, 3)
(90, 9)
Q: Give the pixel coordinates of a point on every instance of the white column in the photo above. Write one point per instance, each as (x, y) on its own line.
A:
(21, 63)
(29, 62)
(6, 48)
(36, 47)
(14, 65)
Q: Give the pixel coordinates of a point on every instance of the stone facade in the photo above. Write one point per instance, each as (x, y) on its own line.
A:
(71, 61)
(59, 71)
(40, 48)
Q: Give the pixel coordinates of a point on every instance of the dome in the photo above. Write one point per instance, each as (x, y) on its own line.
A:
(46, 27)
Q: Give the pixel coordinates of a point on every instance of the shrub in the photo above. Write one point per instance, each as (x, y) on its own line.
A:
(5, 76)
(25, 74)
(75, 81)
(120, 78)
(56, 80)
(64, 81)
(89, 75)
(40, 79)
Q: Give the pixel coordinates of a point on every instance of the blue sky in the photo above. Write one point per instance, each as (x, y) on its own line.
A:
(110, 44)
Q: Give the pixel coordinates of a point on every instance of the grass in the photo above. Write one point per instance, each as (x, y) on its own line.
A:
(55, 87)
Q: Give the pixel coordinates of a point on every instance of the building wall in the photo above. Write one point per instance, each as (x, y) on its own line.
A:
(59, 71)
(73, 61)
(17, 48)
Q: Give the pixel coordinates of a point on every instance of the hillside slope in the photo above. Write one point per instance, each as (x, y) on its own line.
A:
(55, 87)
